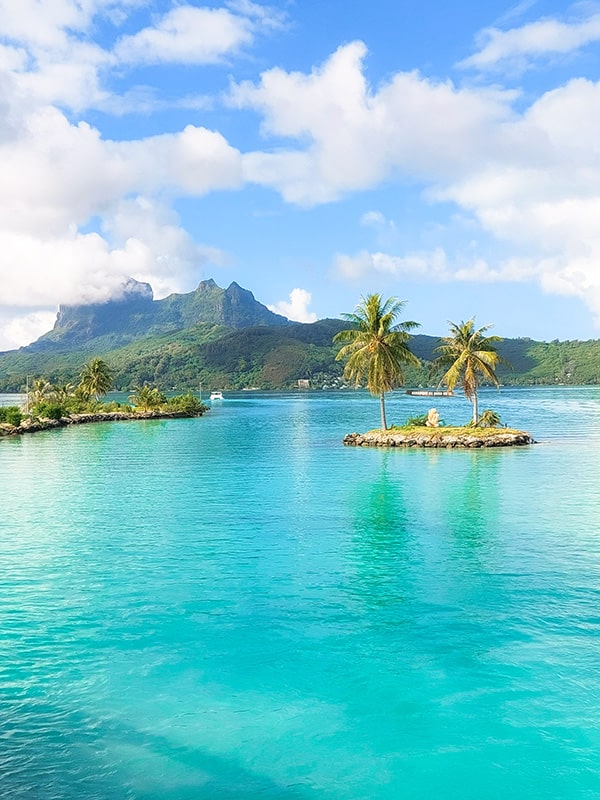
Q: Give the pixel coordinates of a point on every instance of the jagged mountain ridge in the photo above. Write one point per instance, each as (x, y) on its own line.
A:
(136, 315)
(225, 338)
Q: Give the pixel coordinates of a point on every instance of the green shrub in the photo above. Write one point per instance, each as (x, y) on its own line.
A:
(187, 403)
(47, 410)
(147, 398)
(11, 414)
(115, 406)
(488, 419)
(416, 422)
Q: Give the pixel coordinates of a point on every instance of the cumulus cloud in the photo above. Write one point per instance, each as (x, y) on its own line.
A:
(408, 126)
(430, 265)
(433, 265)
(198, 35)
(159, 251)
(17, 329)
(297, 307)
(527, 176)
(188, 35)
(78, 212)
(75, 268)
(59, 176)
(49, 44)
(55, 177)
(520, 46)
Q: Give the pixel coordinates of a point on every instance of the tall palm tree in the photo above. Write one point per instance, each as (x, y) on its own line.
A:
(377, 346)
(468, 357)
(40, 390)
(96, 378)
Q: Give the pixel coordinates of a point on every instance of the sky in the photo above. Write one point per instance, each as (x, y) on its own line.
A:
(313, 151)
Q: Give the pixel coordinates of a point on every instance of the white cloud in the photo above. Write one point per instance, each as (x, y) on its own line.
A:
(79, 212)
(160, 251)
(519, 46)
(43, 23)
(80, 268)
(48, 44)
(48, 23)
(377, 220)
(198, 35)
(297, 307)
(430, 265)
(56, 177)
(19, 329)
(188, 35)
(410, 126)
(434, 266)
(529, 179)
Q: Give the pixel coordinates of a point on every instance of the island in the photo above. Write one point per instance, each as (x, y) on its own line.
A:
(34, 425)
(446, 437)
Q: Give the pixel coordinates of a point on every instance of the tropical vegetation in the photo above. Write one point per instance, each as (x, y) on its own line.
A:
(276, 358)
(376, 348)
(96, 379)
(468, 357)
(10, 415)
(48, 401)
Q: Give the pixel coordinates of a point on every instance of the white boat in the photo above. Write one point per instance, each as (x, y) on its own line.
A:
(430, 392)
(216, 395)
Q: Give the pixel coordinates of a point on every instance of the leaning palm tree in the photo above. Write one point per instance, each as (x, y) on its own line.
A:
(96, 378)
(377, 346)
(468, 357)
(40, 390)
(63, 392)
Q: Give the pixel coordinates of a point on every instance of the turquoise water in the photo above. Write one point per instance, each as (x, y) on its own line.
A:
(239, 607)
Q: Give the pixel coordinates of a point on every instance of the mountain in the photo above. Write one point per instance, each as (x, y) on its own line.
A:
(225, 338)
(135, 315)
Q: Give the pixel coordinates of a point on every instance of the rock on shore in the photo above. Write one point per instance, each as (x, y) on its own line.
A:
(438, 438)
(35, 425)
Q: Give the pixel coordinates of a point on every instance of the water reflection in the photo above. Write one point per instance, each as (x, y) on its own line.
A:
(470, 500)
(380, 537)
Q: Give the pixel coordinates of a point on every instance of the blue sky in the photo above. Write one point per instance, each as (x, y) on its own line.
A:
(311, 151)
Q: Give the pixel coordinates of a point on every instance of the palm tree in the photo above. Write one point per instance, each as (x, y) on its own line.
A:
(96, 378)
(41, 390)
(147, 398)
(63, 392)
(467, 356)
(377, 346)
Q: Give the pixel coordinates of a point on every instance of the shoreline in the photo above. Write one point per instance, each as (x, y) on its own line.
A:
(37, 425)
(439, 438)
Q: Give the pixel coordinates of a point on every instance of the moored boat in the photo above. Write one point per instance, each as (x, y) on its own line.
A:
(430, 392)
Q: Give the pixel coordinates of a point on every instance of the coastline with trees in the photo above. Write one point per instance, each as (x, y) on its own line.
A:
(50, 405)
(377, 353)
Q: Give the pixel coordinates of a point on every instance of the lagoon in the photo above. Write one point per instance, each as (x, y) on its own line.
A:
(238, 606)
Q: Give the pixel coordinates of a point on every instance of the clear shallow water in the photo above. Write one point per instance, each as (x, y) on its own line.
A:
(240, 607)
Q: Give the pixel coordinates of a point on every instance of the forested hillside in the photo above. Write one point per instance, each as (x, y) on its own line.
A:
(225, 338)
(276, 358)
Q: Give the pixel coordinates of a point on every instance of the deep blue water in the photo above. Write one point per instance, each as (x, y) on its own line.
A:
(240, 607)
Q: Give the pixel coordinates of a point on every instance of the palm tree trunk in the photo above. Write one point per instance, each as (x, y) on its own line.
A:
(475, 408)
(383, 419)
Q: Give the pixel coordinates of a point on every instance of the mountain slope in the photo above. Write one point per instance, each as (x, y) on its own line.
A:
(136, 315)
(225, 338)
